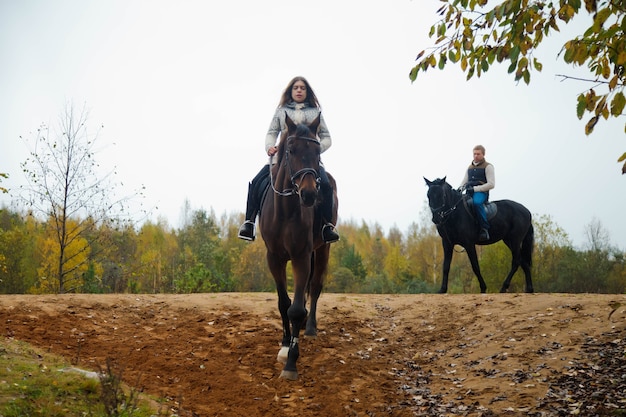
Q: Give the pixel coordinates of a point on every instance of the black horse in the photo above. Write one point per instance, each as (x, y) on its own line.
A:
(456, 224)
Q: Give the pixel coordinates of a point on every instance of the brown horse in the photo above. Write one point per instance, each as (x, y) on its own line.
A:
(291, 224)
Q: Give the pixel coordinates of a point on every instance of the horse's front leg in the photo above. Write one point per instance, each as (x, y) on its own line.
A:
(473, 257)
(319, 262)
(447, 259)
(278, 269)
(297, 314)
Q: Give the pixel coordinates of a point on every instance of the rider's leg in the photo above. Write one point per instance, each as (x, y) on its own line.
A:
(329, 234)
(479, 204)
(246, 230)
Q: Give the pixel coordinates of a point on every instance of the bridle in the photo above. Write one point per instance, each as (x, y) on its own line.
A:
(442, 213)
(293, 177)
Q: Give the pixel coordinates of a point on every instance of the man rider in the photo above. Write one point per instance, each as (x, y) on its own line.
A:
(478, 180)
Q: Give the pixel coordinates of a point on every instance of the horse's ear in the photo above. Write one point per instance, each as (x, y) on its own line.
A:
(429, 183)
(290, 124)
(444, 178)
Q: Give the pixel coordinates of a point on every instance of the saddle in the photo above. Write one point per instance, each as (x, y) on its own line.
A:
(491, 209)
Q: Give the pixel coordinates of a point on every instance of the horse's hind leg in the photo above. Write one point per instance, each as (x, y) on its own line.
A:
(515, 263)
(507, 281)
(320, 263)
(527, 257)
(529, 282)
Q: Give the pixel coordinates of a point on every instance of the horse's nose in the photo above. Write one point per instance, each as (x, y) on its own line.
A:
(308, 197)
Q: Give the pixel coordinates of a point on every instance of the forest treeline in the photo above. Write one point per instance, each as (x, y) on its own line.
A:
(205, 255)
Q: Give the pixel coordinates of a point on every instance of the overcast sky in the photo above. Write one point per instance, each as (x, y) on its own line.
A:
(186, 91)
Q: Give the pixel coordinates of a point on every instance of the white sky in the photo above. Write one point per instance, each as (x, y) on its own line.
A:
(186, 91)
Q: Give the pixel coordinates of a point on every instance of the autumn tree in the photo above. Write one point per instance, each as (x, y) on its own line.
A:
(347, 265)
(250, 271)
(598, 237)
(424, 256)
(156, 256)
(76, 252)
(17, 252)
(475, 35)
(204, 262)
(65, 186)
(551, 245)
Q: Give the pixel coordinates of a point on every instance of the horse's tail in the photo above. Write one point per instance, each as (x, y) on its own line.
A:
(528, 245)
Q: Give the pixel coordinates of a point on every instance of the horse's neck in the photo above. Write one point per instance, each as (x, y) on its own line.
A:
(283, 185)
(281, 177)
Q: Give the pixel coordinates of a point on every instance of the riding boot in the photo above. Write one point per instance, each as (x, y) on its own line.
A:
(246, 230)
(329, 234)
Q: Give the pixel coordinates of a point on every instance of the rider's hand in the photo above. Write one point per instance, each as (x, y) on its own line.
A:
(469, 190)
(271, 151)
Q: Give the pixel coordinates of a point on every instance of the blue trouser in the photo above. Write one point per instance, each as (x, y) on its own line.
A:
(479, 200)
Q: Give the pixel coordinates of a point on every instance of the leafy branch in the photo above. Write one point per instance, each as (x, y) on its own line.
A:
(474, 36)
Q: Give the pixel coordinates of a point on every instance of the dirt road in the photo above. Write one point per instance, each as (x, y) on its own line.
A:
(376, 355)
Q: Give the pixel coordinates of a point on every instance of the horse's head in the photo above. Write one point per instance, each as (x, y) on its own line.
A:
(441, 199)
(300, 152)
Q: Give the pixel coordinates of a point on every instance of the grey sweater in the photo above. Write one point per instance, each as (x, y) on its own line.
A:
(299, 113)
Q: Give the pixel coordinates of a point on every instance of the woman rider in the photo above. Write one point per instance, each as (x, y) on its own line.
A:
(300, 103)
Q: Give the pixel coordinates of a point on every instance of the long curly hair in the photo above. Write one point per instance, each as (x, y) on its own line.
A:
(311, 98)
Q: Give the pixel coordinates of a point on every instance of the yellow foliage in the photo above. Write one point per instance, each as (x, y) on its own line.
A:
(62, 273)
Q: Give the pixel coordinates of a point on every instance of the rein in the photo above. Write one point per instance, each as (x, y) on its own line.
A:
(293, 177)
(444, 215)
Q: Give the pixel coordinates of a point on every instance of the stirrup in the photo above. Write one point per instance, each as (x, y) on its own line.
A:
(329, 235)
(246, 231)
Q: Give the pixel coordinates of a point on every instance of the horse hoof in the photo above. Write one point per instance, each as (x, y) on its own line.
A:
(290, 375)
(311, 334)
(283, 353)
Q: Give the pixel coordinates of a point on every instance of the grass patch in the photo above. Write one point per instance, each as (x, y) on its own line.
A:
(34, 383)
